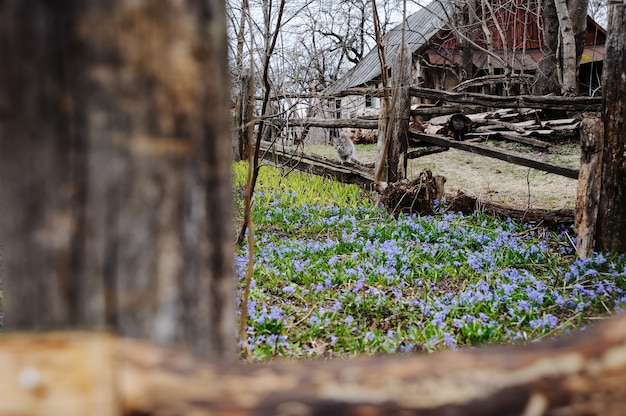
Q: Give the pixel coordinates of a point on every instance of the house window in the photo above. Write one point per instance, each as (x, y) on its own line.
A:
(368, 101)
(338, 108)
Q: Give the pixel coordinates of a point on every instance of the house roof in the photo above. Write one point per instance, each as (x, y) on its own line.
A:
(421, 26)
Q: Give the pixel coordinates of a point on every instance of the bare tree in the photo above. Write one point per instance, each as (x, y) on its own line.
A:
(597, 10)
(564, 24)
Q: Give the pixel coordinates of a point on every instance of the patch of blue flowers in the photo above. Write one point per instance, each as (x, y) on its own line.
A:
(343, 281)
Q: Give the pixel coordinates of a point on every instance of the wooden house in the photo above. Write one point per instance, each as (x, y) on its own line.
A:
(509, 40)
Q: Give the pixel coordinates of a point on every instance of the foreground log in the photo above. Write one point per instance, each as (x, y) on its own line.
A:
(89, 373)
(466, 203)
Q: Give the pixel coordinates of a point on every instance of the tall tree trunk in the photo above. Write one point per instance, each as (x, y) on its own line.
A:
(466, 43)
(114, 170)
(568, 50)
(547, 81)
(611, 222)
(578, 11)
(564, 28)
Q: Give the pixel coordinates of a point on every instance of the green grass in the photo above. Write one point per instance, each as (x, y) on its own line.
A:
(336, 276)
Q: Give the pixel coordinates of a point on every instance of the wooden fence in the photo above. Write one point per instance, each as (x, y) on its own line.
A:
(580, 104)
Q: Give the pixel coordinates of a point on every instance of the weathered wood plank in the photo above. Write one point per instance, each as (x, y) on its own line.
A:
(490, 151)
(519, 101)
(358, 123)
(589, 184)
(493, 101)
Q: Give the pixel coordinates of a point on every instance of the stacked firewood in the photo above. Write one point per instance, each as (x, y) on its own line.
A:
(522, 126)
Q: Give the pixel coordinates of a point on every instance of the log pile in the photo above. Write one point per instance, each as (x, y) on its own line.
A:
(521, 126)
(414, 196)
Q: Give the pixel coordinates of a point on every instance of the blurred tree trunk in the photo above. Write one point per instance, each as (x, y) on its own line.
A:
(114, 170)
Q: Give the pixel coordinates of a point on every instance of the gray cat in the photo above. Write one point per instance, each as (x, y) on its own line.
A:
(345, 149)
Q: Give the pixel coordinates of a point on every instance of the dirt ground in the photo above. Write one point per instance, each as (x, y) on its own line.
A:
(493, 179)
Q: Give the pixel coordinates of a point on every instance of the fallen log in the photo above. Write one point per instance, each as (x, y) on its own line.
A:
(94, 373)
(467, 203)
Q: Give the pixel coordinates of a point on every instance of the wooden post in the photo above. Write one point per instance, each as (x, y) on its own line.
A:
(396, 119)
(401, 80)
(611, 229)
(588, 193)
(381, 147)
(245, 111)
(115, 159)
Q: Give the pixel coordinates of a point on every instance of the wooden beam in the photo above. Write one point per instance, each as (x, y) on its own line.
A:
(525, 101)
(495, 101)
(98, 374)
(359, 123)
(437, 110)
(501, 154)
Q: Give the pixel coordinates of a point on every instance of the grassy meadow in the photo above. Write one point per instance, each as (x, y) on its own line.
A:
(336, 276)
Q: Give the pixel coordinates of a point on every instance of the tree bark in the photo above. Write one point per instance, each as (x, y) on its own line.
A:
(611, 229)
(114, 170)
